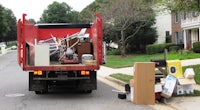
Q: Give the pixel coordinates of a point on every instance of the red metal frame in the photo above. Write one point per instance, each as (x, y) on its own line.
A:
(27, 33)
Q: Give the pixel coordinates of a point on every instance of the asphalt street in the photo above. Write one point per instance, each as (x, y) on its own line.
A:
(14, 94)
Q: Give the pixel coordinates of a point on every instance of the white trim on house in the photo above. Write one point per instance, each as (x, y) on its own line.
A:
(191, 28)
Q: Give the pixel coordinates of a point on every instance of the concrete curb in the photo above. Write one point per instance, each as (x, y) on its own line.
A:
(121, 83)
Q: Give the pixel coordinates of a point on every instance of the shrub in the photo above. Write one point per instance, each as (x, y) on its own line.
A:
(157, 48)
(114, 52)
(196, 47)
(174, 48)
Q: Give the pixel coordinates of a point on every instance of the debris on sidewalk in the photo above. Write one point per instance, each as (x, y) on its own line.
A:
(146, 90)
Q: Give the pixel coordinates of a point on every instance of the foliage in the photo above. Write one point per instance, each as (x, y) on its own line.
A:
(110, 34)
(174, 48)
(125, 14)
(145, 36)
(113, 52)
(157, 48)
(86, 15)
(8, 25)
(196, 47)
(123, 77)
(3, 23)
(32, 21)
(59, 13)
(168, 39)
(179, 5)
(12, 25)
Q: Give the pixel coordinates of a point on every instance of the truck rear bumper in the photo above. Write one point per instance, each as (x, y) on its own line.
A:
(62, 78)
(42, 83)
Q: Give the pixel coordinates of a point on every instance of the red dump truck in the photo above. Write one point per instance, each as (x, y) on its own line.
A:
(60, 54)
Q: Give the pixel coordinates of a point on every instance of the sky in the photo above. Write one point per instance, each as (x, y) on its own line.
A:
(35, 8)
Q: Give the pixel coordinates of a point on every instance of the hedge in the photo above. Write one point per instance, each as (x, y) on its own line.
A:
(196, 47)
(157, 48)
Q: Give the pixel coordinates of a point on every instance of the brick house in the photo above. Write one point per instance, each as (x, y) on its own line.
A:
(185, 29)
(177, 32)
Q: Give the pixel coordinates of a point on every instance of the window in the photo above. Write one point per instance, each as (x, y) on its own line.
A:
(167, 33)
(194, 14)
(176, 17)
(184, 16)
(176, 37)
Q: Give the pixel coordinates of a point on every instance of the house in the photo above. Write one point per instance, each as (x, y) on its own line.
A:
(185, 29)
(163, 26)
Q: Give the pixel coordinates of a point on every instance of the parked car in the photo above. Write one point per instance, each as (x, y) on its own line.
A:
(14, 47)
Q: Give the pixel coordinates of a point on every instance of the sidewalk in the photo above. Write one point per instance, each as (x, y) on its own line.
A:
(176, 103)
(106, 71)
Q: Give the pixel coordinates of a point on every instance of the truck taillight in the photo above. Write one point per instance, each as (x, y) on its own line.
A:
(83, 73)
(37, 72)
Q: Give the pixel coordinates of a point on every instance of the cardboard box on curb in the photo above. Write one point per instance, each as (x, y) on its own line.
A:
(144, 83)
(131, 83)
(189, 73)
(169, 86)
(185, 86)
(174, 68)
(185, 81)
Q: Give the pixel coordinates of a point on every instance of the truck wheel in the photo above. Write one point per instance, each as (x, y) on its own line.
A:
(40, 92)
(88, 91)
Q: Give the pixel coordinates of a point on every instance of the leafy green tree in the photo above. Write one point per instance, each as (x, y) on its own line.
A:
(12, 25)
(3, 23)
(32, 21)
(87, 14)
(125, 14)
(179, 5)
(59, 13)
(145, 36)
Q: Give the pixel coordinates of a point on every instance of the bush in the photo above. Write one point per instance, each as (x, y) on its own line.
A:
(114, 52)
(157, 48)
(174, 48)
(196, 47)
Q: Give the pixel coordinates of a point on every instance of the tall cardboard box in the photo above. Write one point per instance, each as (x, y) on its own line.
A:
(144, 83)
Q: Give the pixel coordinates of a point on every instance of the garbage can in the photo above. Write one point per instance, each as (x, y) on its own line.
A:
(3, 49)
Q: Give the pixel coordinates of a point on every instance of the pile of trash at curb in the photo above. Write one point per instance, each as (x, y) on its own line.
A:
(146, 90)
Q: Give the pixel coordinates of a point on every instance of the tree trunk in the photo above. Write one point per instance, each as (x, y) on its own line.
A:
(123, 44)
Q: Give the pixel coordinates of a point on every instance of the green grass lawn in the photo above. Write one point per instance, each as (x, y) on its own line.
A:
(126, 78)
(116, 61)
(123, 77)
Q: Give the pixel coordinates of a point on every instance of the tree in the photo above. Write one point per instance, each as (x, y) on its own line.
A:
(87, 14)
(179, 5)
(32, 21)
(145, 36)
(59, 13)
(3, 23)
(12, 25)
(126, 13)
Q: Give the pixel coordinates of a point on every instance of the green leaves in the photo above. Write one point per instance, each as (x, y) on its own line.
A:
(59, 13)
(7, 24)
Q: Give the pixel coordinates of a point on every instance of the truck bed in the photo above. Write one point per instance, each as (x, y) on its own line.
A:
(81, 38)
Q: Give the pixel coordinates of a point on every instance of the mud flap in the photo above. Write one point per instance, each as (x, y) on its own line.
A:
(90, 84)
(36, 85)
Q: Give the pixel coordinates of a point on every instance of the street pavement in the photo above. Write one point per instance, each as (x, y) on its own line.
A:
(14, 94)
(176, 103)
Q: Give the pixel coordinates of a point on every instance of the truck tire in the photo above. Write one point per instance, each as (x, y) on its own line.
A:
(88, 91)
(40, 92)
